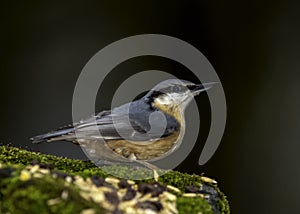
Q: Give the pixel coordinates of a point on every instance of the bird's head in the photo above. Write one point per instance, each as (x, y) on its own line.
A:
(174, 93)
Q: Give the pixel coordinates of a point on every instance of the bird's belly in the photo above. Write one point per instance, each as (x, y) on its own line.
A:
(145, 150)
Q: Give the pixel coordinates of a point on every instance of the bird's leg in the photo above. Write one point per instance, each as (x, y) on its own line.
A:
(152, 167)
(146, 164)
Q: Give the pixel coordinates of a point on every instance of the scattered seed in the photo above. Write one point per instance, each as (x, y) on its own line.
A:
(97, 197)
(53, 201)
(190, 195)
(208, 180)
(44, 171)
(88, 211)
(172, 188)
(131, 182)
(129, 210)
(34, 168)
(171, 208)
(147, 211)
(168, 196)
(106, 189)
(112, 181)
(38, 175)
(25, 175)
(69, 179)
(65, 195)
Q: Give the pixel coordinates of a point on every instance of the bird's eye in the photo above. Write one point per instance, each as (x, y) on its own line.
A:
(176, 89)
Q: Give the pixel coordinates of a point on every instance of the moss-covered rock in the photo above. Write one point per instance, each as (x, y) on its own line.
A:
(31, 182)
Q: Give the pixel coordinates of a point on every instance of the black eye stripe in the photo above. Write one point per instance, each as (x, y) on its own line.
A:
(157, 94)
(174, 88)
(192, 87)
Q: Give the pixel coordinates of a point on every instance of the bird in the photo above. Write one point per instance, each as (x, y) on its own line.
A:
(141, 131)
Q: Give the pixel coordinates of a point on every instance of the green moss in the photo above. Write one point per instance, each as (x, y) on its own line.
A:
(32, 196)
(195, 205)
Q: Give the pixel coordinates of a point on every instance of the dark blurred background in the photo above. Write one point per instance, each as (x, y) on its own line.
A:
(254, 47)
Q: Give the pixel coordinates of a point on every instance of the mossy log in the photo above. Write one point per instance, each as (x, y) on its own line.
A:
(32, 182)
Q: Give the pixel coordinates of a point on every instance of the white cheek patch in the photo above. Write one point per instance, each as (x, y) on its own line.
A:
(165, 100)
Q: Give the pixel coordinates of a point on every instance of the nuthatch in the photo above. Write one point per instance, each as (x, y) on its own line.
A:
(128, 131)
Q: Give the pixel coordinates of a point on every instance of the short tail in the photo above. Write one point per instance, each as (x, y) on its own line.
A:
(61, 134)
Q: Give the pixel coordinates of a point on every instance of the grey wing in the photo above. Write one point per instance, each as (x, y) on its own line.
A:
(115, 128)
(119, 124)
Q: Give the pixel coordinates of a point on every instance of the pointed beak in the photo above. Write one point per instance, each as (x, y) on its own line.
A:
(202, 87)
